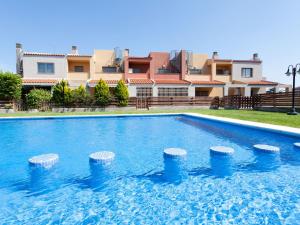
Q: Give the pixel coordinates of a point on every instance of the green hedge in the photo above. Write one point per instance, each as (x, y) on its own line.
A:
(102, 94)
(61, 93)
(121, 93)
(36, 97)
(10, 86)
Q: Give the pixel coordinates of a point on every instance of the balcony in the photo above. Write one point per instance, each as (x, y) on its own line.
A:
(78, 75)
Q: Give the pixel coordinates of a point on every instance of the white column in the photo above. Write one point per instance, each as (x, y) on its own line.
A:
(155, 91)
(225, 90)
(247, 91)
(191, 91)
(132, 91)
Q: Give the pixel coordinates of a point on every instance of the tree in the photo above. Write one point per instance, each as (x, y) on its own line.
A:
(61, 93)
(79, 95)
(36, 97)
(10, 86)
(121, 93)
(102, 94)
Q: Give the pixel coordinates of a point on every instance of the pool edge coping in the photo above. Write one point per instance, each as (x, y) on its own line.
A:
(263, 126)
(246, 123)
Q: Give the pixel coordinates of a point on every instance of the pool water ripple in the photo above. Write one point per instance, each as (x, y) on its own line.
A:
(251, 188)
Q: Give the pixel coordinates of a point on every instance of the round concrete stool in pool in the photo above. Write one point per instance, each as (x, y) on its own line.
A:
(103, 157)
(174, 153)
(266, 148)
(297, 144)
(222, 150)
(45, 161)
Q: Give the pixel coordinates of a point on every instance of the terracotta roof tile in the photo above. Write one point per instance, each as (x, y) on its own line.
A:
(39, 81)
(214, 82)
(140, 81)
(261, 82)
(107, 81)
(238, 82)
(160, 81)
(42, 54)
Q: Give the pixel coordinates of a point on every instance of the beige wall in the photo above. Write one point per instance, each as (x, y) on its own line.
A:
(237, 71)
(72, 64)
(223, 78)
(30, 67)
(216, 91)
(199, 60)
(78, 76)
(202, 77)
(103, 58)
(107, 76)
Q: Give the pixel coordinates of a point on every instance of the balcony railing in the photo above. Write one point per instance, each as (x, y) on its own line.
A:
(78, 75)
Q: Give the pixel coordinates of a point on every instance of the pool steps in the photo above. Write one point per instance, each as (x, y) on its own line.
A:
(297, 144)
(223, 150)
(266, 148)
(176, 155)
(103, 157)
(45, 161)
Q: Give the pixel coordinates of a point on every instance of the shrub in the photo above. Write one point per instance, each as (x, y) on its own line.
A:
(121, 93)
(79, 96)
(102, 94)
(61, 93)
(10, 86)
(36, 97)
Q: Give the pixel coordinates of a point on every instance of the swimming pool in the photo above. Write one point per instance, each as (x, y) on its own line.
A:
(248, 188)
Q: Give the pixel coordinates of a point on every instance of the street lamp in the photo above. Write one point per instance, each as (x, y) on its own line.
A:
(293, 72)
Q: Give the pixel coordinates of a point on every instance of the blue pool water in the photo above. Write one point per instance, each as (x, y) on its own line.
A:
(139, 187)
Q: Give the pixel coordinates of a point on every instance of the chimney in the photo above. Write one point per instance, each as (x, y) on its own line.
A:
(19, 61)
(74, 50)
(126, 52)
(215, 55)
(255, 57)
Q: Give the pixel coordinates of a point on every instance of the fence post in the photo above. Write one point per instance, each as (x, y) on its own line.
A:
(274, 100)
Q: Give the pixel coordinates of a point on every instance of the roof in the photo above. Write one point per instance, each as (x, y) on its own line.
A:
(261, 82)
(140, 81)
(161, 81)
(247, 61)
(238, 82)
(107, 81)
(39, 81)
(214, 82)
(236, 61)
(42, 54)
(75, 55)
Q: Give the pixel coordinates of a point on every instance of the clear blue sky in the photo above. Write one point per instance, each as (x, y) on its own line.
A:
(235, 28)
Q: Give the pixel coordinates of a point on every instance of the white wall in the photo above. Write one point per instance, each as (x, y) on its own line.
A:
(237, 71)
(30, 67)
(132, 91)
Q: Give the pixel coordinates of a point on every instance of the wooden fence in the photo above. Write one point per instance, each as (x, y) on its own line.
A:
(139, 103)
(272, 100)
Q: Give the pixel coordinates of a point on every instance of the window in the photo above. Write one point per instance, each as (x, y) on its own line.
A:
(247, 72)
(45, 67)
(223, 72)
(109, 69)
(165, 92)
(163, 70)
(134, 70)
(195, 71)
(144, 92)
(78, 69)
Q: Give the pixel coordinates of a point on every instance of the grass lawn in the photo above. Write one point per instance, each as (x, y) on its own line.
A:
(257, 116)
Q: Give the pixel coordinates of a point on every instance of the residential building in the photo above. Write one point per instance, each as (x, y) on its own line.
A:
(175, 73)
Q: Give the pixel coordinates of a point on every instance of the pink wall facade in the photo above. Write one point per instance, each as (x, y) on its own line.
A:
(157, 60)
